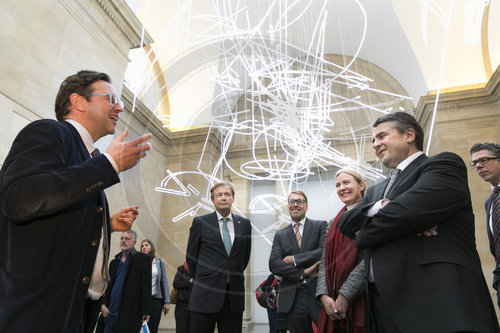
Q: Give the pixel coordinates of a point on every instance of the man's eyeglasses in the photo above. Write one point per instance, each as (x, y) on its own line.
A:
(113, 99)
(483, 161)
(296, 201)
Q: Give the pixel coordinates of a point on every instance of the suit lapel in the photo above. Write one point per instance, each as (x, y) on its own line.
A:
(306, 233)
(290, 235)
(379, 190)
(406, 172)
(81, 146)
(237, 231)
(215, 230)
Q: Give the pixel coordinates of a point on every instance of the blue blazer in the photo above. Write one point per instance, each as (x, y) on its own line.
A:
(52, 210)
(212, 267)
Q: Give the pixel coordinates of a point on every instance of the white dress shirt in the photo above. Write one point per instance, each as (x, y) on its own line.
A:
(230, 225)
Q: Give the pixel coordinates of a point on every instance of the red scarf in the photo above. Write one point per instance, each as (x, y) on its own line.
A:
(341, 256)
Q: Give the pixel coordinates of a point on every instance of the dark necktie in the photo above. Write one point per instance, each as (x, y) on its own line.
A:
(394, 175)
(297, 234)
(95, 153)
(226, 237)
(495, 221)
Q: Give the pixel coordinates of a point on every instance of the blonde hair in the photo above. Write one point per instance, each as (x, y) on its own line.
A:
(356, 175)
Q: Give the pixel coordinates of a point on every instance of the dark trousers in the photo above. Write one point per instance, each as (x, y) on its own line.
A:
(378, 317)
(91, 312)
(156, 308)
(181, 317)
(304, 312)
(227, 321)
(110, 324)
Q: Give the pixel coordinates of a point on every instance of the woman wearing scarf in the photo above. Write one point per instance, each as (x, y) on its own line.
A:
(341, 275)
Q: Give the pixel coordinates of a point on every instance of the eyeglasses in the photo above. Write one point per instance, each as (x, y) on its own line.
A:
(483, 161)
(296, 201)
(113, 99)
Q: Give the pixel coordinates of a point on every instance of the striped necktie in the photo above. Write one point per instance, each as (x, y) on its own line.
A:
(297, 234)
(394, 175)
(495, 221)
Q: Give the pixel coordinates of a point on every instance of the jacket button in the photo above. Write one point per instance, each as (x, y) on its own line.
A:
(86, 280)
(93, 243)
(99, 209)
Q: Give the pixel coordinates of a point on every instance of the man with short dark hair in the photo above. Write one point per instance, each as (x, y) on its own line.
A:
(127, 303)
(217, 253)
(54, 219)
(419, 284)
(295, 257)
(486, 161)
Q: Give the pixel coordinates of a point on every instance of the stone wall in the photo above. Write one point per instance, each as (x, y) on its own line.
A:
(462, 119)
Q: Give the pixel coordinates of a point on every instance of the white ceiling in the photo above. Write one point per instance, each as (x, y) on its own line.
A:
(421, 43)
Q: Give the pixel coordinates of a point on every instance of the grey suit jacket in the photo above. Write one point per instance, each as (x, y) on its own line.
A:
(285, 244)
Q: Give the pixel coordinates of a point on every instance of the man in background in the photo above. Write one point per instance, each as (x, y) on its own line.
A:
(127, 302)
(54, 218)
(295, 255)
(486, 161)
(217, 253)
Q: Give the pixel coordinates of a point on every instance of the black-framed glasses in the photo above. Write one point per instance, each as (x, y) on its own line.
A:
(482, 160)
(113, 99)
(296, 201)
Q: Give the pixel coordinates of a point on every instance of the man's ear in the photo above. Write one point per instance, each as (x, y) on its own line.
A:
(410, 135)
(78, 102)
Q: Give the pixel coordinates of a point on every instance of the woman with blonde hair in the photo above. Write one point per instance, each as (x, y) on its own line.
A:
(341, 275)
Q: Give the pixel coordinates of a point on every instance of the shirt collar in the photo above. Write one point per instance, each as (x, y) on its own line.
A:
(302, 222)
(84, 134)
(401, 166)
(220, 217)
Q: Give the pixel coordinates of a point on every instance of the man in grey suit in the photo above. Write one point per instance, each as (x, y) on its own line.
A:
(295, 254)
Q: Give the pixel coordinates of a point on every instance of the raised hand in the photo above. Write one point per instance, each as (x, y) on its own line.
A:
(127, 154)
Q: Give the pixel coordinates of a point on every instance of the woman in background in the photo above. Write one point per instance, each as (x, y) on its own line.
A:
(342, 273)
(184, 283)
(159, 286)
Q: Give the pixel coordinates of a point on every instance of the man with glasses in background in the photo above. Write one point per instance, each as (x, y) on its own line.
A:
(486, 161)
(295, 257)
(54, 220)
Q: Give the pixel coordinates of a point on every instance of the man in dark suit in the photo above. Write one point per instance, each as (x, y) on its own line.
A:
(419, 284)
(54, 219)
(295, 255)
(127, 302)
(486, 161)
(217, 253)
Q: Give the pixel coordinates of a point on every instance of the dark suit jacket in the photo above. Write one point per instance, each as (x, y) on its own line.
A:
(136, 292)
(285, 244)
(210, 265)
(496, 272)
(52, 210)
(428, 284)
